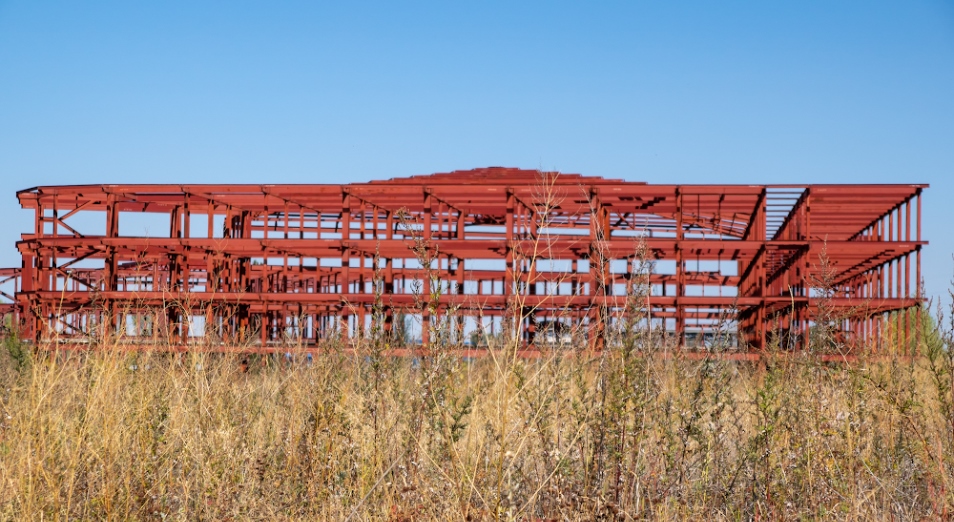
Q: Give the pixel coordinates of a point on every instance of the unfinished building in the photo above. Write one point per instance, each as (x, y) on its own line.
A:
(266, 265)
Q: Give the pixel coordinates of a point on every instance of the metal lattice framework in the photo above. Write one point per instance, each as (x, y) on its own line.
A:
(313, 261)
(9, 286)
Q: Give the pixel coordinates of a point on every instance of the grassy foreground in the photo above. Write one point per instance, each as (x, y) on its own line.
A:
(113, 435)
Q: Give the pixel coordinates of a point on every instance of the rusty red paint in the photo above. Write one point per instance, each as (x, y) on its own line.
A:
(261, 258)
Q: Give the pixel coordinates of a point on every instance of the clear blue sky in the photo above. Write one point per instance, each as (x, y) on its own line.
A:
(320, 92)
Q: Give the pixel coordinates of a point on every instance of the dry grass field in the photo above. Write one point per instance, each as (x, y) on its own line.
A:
(630, 433)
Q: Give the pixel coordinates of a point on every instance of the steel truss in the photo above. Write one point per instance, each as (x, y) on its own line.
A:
(517, 248)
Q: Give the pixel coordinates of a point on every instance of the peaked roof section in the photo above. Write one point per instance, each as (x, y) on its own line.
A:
(501, 175)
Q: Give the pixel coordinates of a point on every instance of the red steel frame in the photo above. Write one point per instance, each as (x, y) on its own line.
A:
(9, 286)
(297, 261)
